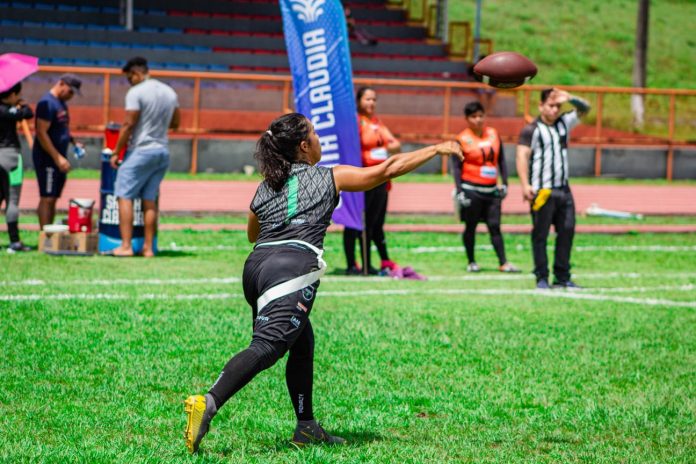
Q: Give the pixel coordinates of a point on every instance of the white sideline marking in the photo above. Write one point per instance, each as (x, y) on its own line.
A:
(664, 248)
(674, 288)
(574, 295)
(484, 276)
(579, 248)
(120, 296)
(457, 249)
(207, 280)
(579, 295)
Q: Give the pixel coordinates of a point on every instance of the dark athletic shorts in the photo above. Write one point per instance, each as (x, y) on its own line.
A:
(281, 320)
(51, 179)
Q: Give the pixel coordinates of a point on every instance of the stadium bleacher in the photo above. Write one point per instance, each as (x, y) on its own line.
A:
(235, 35)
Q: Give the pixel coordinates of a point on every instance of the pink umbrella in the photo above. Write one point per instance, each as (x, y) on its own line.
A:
(14, 67)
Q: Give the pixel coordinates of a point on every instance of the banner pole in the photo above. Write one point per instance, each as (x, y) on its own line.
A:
(365, 245)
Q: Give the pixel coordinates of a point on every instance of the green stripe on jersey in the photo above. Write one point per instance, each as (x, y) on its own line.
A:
(17, 174)
(293, 187)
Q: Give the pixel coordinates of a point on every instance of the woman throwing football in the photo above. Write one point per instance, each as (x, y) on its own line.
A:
(289, 216)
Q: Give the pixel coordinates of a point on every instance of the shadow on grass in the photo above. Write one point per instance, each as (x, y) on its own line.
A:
(283, 444)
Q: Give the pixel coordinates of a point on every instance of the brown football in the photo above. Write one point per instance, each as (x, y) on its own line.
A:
(505, 70)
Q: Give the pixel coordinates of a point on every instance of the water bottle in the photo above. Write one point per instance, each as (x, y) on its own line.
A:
(79, 152)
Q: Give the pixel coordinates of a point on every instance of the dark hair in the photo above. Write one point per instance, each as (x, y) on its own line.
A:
(135, 62)
(359, 94)
(545, 94)
(14, 89)
(473, 107)
(276, 150)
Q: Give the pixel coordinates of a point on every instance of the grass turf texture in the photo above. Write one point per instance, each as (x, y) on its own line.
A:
(437, 373)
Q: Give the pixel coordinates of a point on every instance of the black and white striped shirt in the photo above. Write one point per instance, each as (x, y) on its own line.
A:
(548, 163)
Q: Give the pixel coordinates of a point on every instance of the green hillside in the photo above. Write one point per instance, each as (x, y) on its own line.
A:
(591, 42)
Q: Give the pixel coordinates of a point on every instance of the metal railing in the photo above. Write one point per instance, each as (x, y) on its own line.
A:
(431, 111)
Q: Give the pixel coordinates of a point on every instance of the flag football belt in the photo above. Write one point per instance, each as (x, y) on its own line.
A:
(477, 188)
(292, 285)
(17, 174)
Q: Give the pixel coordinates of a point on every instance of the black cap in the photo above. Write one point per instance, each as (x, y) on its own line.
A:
(136, 61)
(73, 81)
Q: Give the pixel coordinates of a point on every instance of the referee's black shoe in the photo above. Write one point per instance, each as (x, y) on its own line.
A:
(568, 285)
(311, 432)
(543, 284)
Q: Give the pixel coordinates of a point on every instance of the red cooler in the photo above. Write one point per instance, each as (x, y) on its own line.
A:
(111, 138)
(80, 215)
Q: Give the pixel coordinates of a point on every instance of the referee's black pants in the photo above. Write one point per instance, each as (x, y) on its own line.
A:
(558, 211)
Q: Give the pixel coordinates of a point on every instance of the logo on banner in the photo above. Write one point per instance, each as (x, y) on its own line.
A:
(308, 10)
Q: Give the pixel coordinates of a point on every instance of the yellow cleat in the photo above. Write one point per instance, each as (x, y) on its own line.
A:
(200, 410)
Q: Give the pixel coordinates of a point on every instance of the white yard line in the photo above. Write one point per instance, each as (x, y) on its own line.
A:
(106, 282)
(484, 276)
(460, 249)
(575, 295)
(119, 296)
(578, 248)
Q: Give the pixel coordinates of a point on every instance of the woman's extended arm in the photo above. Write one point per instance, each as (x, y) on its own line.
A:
(354, 179)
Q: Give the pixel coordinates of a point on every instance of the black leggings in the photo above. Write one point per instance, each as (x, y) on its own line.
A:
(484, 208)
(281, 326)
(375, 215)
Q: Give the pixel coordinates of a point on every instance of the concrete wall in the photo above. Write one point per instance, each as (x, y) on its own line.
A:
(225, 155)
(634, 163)
(684, 166)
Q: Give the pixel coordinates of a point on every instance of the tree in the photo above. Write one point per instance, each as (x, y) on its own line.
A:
(640, 62)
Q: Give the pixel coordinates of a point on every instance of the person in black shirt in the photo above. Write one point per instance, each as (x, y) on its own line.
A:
(50, 152)
(289, 216)
(12, 110)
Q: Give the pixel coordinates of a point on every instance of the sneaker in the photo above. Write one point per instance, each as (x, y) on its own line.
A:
(473, 267)
(311, 432)
(18, 247)
(507, 267)
(568, 285)
(389, 264)
(542, 284)
(200, 410)
(409, 273)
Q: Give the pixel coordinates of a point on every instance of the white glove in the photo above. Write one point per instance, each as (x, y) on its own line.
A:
(107, 152)
(502, 191)
(463, 200)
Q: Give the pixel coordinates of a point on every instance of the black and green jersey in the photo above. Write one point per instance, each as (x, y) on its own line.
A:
(301, 210)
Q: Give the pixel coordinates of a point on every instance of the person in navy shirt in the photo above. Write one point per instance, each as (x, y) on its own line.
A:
(53, 137)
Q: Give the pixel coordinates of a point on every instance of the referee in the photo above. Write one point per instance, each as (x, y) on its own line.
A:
(542, 164)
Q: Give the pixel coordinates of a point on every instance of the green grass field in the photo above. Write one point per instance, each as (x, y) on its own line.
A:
(99, 354)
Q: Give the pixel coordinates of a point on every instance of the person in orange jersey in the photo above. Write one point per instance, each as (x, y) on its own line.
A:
(376, 144)
(479, 196)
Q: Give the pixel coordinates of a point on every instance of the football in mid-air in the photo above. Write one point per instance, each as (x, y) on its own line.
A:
(505, 70)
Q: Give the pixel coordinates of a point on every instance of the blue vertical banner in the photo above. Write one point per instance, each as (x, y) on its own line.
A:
(316, 39)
